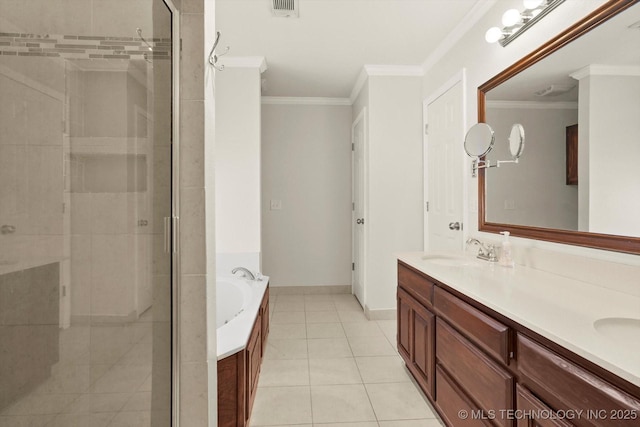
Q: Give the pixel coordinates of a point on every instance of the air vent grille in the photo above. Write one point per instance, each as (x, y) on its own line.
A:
(284, 8)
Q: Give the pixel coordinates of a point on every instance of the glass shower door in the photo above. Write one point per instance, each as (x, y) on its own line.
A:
(85, 185)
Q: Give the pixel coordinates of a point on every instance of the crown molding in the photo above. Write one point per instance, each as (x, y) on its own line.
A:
(293, 100)
(533, 105)
(383, 70)
(357, 87)
(394, 70)
(259, 62)
(479, 9)
(606, 70)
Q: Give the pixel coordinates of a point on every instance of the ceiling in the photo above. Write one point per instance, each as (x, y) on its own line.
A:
(322, 52)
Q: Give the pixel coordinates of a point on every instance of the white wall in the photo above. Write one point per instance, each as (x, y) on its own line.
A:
(394, 220)
(612, 172)
(482, 61)
(515, 196)
(306, 164)
(237, 168)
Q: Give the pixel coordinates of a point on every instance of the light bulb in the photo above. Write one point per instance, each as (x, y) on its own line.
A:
(493, 34)
(511, 17)
(532, 4)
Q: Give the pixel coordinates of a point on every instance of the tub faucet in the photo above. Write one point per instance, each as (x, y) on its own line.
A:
(487, 253)
(245, 272)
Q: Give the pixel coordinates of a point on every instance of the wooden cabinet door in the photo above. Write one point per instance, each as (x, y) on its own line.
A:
(416, 339)
(264, 314)
(572, 155)
(254, 356)
(405, 323)
(423, 348)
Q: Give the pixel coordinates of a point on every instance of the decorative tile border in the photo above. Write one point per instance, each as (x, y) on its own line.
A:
(84, 47)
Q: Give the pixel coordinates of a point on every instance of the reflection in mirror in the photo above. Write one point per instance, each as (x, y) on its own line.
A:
(593, 85)
(516, 141)
(479, 140)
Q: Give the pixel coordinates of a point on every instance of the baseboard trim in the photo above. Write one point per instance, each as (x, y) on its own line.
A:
(383, 314)
(310, 290)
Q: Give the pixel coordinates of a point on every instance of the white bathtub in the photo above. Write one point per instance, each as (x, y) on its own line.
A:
(237, 305)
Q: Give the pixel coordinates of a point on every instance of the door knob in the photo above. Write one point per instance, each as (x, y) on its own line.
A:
(454, 226)
(360, 221)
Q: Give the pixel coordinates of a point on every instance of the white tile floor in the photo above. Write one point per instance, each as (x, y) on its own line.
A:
(103, 379)
(326, 365)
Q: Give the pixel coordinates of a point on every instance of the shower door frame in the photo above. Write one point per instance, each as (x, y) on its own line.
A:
(174, 220)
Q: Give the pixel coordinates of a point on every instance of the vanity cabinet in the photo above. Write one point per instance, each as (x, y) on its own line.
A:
(238, 374)
(499, 372)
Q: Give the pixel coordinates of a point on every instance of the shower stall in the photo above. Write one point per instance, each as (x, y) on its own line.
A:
(87, 251)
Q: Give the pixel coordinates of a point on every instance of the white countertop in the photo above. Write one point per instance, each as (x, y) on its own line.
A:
(558, 308)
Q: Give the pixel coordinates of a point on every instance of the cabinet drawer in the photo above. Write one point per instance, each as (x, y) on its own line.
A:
(486, 332)
(566, 386)
(416, 285)
(533, 412)
(452, 402)
(489, 384)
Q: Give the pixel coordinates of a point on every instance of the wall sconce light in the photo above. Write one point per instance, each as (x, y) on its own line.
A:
(515, 22)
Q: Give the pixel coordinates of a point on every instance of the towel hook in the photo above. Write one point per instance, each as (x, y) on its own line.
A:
(213, 57)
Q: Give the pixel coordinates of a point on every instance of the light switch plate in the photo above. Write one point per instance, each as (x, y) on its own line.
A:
(276, 205)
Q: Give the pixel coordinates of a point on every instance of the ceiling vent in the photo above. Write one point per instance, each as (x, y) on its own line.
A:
(285, 8)
(554, 90)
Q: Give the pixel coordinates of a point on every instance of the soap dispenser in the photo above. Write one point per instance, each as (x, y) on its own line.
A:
(506, 258)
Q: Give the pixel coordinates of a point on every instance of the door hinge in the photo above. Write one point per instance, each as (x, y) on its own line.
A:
(353, 147)
(427, 206)
(353, 206)
(353, 266)
(426, 129)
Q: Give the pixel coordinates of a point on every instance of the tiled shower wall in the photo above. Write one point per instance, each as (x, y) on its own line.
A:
(195, 394)
(84, 47)
(82, 17)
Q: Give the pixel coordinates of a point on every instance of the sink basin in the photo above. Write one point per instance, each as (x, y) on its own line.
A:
(622, 329)
(451, 260)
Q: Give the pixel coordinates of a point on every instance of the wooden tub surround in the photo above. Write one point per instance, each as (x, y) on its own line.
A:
(479, 367)
(238, 373)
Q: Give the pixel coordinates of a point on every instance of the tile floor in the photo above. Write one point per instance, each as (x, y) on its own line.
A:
(326, 365)
(103, 379)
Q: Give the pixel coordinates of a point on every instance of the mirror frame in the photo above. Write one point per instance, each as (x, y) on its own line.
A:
(580, 238)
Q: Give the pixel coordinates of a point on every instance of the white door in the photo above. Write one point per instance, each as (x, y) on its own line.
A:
(358, 138)
(444, 151)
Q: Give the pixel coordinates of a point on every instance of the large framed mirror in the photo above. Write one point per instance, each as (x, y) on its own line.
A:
(578, 97)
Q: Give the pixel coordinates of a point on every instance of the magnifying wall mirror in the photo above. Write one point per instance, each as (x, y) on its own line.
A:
(516, 141)
(479, 140)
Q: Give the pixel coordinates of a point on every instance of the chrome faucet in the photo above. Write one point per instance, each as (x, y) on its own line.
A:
(245, 272)
(487, 253)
